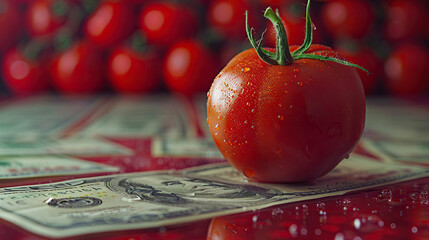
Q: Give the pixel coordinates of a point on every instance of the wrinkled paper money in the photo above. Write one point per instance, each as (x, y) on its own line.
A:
(81, 146)
(41, 166)
(159, 198)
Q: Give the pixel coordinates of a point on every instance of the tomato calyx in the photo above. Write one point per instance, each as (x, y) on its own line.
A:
(282, 55)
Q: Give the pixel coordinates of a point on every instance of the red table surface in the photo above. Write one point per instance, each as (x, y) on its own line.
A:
(399, 211)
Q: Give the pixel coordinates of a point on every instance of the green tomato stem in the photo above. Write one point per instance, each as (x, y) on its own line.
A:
(282, 55)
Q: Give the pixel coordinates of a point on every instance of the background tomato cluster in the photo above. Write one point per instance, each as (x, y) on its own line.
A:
(142, 46)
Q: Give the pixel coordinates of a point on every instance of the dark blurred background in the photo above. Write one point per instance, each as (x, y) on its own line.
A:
(145, 46)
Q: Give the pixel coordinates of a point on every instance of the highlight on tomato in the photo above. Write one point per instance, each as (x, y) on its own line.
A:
(134, 69)
(348, 18)
(226, 17)
(406, 70)
(78, 70)
(111, 23)
(25, 69)
(189, 67)
(164, 23)
(289, 114)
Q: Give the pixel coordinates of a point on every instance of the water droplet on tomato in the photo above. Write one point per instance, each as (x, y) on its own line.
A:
(253, 110)
(226, 84)
(219, 117)
(300, 84)
(245, 121)
(246, 69)
(217, 127)
(280, 105)
(207, 120)
(247, 103)
(281, 117)
(248, 173)
(208, 94)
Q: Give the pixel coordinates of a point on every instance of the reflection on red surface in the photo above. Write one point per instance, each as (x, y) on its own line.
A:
(400, 211)
(395, 212)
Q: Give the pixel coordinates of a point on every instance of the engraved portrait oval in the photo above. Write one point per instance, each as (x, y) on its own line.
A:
(75, 202)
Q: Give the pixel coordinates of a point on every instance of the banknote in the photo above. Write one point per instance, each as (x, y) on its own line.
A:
(188, 147)
(155, 115)
(396, 119)
(398, 150)
(78, 146)
(44, 115)
(52, 165)
(160, 198)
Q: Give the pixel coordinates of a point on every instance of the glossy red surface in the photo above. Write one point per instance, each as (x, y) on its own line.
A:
(399, 211)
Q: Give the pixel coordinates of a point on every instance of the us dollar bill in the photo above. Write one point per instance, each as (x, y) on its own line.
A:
(186, 147)
(44, 115)
(160, 198)
(77, 146)
(13, 167)
(394, 119)
(395, 150)
(397, 130)
(152, 115)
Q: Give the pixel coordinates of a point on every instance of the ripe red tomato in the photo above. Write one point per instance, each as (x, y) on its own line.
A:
(406, 70)
(10, 24)
(45, 17)
(78, 70)
(366, 58)
(405, 20)
(348, 18)
(111, 23)
(290, 120)
(24, 76)
(133, 72)
(166, 23)
(226, 16)
(189, 67)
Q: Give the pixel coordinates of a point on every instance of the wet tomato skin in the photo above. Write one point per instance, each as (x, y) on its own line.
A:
(286, 123)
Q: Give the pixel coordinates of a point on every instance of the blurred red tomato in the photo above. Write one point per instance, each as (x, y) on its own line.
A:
(364, 57)
(166, 23)
(133, 72)
(406, 70)
(227, 17)
(405, 19)
(189, 67)
(111, 23)
(293, 17)
(10, 24)
(348, 18)
(78, 70)
(23, 75)
(45, 17)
